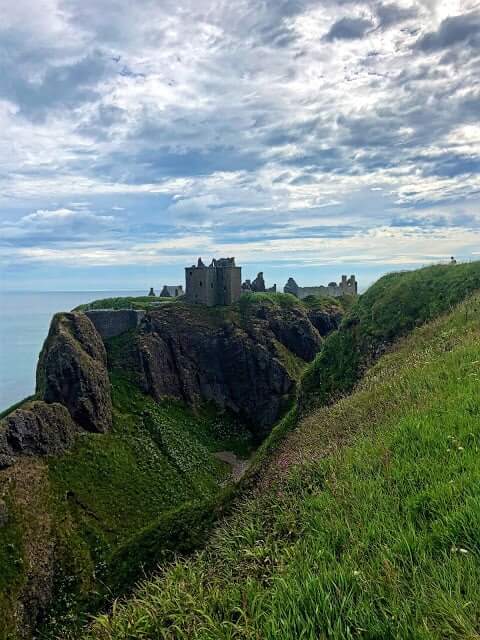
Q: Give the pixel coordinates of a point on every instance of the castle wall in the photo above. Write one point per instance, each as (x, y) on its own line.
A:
(229, 285)
(346, 286)
(113, 322)
(218, 284)
(200, 286)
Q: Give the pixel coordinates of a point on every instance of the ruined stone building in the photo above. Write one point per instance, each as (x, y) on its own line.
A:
(347, 286)
(257, 285)
(171, 291)
(218, 284)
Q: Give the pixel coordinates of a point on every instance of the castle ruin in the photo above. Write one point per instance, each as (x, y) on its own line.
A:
(171, 291)
(218, 284)
(257, 285)
(347, 286)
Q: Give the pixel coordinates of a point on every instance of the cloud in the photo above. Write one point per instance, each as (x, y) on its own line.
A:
(462, 29)
(55, 225)
(349, 29)
(390, 14)
(240, 123)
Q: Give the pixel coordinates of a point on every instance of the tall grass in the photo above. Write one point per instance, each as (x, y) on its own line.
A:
(368, 525)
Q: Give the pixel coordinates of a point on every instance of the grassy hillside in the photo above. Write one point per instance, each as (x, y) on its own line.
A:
(93, 501)
(390, 309)
(366, 523)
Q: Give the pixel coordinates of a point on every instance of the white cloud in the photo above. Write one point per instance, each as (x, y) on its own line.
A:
(232, 116)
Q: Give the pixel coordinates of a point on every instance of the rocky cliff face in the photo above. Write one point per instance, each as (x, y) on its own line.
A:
(72, 370)
(239, 361)
(245, 358)
(37, 428)
(73, 393)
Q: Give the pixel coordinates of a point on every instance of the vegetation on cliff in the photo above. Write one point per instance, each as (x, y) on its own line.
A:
(299, 553)
(97, 498)
(246, 358)
(388, 310)
(124, 302)
(365, 522)
(141, 479)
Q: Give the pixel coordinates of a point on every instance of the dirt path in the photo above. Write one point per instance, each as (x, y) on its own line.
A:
(238, 465)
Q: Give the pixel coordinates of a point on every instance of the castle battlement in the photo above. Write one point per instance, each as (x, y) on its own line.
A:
(218, 284)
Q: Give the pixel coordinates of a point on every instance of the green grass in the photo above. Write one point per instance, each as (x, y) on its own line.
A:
(390, 309)
(156, 457)
(110, 489)
(281, 300)
(321, 303)
(12, 571)
(367, 523)
(127, 302)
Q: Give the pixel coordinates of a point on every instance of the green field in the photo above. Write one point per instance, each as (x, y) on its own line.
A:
(364, 524)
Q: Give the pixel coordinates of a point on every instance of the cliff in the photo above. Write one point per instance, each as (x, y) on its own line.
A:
(389, 310)
(135, 421)
(245, 358)
(72, 370)
(73, 393)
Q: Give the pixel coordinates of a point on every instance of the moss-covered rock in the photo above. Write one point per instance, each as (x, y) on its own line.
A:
(37, 428)
(72, 370)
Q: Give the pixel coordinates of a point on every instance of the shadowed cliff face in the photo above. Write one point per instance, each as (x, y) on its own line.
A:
(72, 370)
(37, 428)
(245, 361)
(73, 393)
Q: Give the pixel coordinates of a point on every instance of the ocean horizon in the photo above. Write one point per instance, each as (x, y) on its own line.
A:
(24, 321)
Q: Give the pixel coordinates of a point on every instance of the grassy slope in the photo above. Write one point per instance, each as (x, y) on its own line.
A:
(376, 535)
(127, 302)
(109, 487)
(391, 308)
(157, 457)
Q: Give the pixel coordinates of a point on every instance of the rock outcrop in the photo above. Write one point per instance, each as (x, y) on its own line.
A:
(325, 320)
(72, 370)
(37, 428)
(238, 361)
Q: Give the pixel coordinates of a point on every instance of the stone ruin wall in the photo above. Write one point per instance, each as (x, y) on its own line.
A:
(113, 322)
(330, 290)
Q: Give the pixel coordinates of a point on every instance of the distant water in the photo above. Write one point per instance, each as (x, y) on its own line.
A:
(24, 321)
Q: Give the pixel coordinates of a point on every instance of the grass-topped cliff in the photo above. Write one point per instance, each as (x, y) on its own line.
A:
(125, 302)
(345, 510)
(388, 310)
(364, 524)
(88, 506)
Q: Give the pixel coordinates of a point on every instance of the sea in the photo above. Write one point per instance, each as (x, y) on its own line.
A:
(24, 322)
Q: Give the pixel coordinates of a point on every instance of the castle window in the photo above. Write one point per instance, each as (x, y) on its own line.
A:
(190, 273)
(200, 283)
(211, 285)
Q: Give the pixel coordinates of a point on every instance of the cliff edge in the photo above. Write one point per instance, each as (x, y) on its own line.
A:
(245, 358)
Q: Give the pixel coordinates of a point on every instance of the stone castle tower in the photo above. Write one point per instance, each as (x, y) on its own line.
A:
(218, 284)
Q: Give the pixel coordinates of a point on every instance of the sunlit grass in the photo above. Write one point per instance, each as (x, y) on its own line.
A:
(368, 525)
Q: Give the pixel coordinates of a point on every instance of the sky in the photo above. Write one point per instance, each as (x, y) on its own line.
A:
(304, 138)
